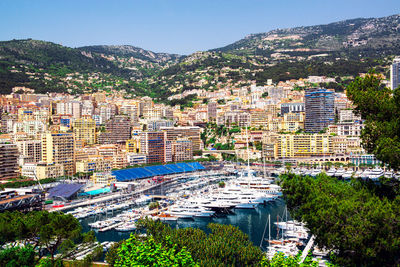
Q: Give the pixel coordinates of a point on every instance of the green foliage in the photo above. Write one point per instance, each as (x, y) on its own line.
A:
(41, 228)
(221, 184)
(18, 184)
(361, 227)
(112, 253)
(281, 259)
(17, 256)
(226, 245)
(154, 205)
(380, 107)
(134, 252)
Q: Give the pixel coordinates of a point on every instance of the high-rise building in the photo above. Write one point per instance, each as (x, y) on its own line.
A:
(182, 149)
(8, 161)
(85, 130)
(59, 148)
(395, 74)
(190, 132)
(30, 150)
(118, 130)
(319, 107)
(153, 144)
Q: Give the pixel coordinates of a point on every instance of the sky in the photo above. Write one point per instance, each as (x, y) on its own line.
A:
(172, 26)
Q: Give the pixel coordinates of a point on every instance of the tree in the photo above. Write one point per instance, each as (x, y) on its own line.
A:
(134, 252)
(361, 226)
(44, 230)
(17, 256)
(226, 245)
(380, 108)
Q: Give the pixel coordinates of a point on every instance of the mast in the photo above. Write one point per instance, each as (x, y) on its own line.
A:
(248, 153)
(265, 174)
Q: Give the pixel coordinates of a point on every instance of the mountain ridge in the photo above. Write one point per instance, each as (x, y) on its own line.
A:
(337, 49)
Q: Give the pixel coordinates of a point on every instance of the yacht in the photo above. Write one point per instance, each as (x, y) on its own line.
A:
(358, 174)
(375, 174)
(331, 172)
(340, 172)
(126, 227)
(315, 172)
(366, 173)
(348, 174)
(388, 174)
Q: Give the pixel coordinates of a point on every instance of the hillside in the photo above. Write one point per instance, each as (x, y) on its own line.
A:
(47, 66)
(339, 49)
(344, 48)
(369, 37)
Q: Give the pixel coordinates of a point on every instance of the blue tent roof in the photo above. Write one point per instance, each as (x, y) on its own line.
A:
(149, 171)
(64, 190)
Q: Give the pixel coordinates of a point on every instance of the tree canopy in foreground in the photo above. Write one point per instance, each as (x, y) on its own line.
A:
(357, 221)
(226, 245)
(380, 108)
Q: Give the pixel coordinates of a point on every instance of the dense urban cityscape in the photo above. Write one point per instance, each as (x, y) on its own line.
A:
(280, 149)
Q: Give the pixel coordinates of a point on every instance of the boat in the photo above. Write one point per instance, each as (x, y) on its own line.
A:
(126, 227)
(331, 172)
(347, 174)
(375, 174)
(365, 174)
(339, 172)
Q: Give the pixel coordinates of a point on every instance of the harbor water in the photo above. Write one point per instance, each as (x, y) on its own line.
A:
(250, 221)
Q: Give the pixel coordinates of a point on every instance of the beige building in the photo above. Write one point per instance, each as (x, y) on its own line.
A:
(49, 170)
(182, 149)
(133, 145)
(103, 178)
(59, 148)
(304, 145)
(85, 130)
(94, 164)
(190, 132)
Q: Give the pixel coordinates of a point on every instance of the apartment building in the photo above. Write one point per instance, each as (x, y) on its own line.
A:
(30, 150)
(182, 149)
(153, 144)
(190, 132)
(49, 170)
(319, 109)
(304, 145)
(94, 164)
(8, 161)
(103, 178)
(133, 145)
(395, 74)
(85, 130)
(118, 130)
(58, 148)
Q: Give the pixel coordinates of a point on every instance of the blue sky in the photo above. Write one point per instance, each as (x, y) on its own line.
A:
(174, 26)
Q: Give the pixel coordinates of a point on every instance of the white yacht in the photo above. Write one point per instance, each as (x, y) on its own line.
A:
(388, 174)
(375, 174)
(315, 172)
(366, 173)
(348, 174)
(358, 174)
(126, 227)
(331, 172)
(340, 172)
